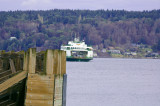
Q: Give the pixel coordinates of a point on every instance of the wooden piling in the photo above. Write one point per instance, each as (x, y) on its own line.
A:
(63, 62)
(60, 70)
(46, 75)
(12, 66)
(49, 62)
(25, 61)
(32, 60)
(49, 86)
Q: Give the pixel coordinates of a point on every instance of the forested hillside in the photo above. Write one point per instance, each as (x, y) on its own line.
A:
(52, 28)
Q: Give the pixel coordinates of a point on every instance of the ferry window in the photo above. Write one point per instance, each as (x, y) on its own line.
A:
(68, 48)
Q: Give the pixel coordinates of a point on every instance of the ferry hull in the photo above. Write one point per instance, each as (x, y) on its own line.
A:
(79, 59)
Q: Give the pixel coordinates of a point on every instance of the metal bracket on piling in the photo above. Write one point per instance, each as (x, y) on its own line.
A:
(64, 92)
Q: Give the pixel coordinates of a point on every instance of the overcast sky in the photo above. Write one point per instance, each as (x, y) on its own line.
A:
(135, 5)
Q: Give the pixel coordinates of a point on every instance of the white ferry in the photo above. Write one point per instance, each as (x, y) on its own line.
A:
(78, 51)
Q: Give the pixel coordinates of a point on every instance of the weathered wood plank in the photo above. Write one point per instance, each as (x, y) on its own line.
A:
(35, 80)
(35, 96)
(10, 82)
(58, 90)
(35, 83)
(40, 77)
(42, 90)
(56, 62)
(38, 102)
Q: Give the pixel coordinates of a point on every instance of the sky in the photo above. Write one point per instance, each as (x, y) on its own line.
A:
(130, 5)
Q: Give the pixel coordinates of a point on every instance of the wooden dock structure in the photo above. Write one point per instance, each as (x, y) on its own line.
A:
(43, 73)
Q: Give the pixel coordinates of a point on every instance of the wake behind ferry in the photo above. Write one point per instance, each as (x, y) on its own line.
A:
(78, 51)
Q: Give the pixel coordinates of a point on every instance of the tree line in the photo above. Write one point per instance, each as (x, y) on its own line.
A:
(52, 28)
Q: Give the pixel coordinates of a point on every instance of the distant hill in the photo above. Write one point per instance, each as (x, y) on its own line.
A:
(52, 28)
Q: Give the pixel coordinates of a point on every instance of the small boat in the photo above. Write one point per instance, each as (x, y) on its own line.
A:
(78, 51)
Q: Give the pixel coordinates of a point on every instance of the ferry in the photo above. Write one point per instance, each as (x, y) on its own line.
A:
(78, 51)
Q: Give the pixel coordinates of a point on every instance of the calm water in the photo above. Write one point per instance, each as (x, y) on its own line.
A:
(114, 82)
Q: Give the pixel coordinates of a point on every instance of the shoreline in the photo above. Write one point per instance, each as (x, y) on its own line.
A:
(128, 57)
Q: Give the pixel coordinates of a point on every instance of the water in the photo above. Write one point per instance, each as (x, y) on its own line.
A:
(114, 82)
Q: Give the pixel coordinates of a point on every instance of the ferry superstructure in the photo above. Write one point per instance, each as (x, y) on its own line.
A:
(78, 51)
